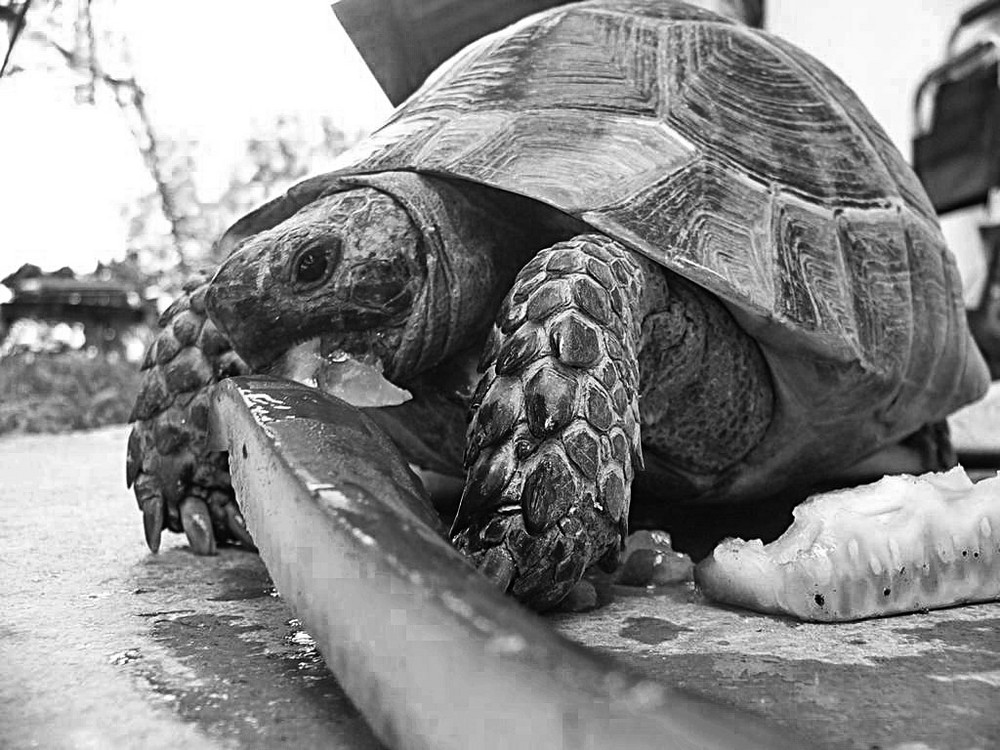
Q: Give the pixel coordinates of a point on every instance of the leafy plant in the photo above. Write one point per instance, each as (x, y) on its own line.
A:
(73, 390)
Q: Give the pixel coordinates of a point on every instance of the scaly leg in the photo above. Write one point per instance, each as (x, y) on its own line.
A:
(179, 482)
(553, 442)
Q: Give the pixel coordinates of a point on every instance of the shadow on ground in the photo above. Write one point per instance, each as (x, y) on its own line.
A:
(237, 664)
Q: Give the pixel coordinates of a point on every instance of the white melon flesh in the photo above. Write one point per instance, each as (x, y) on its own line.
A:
(902, 544)
(358, 382)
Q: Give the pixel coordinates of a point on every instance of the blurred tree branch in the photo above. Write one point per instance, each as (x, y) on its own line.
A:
(173, 226)
(12, 15)
(82, 58)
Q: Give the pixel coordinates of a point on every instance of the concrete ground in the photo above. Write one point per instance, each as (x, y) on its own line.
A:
(103, 645)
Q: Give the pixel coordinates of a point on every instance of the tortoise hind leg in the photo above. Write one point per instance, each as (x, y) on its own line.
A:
(932, 442)
(553, 442)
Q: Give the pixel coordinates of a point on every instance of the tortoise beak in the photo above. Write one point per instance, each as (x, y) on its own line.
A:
(247, 314)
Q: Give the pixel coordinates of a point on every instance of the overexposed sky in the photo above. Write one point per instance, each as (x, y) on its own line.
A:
(210, 70)
(213, 69)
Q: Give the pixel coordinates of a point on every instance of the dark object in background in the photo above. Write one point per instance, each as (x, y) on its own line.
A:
(956, 149)
(984, 320)
(958, 158)
(402, 41)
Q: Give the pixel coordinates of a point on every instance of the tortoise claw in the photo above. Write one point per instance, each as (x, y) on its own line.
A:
(498, 566)
(538, 570)
(152, 521)
(197, 524)
(238, 526)
(133, 458)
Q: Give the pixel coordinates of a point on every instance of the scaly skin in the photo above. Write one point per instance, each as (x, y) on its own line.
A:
(178, 482)
(554, 438)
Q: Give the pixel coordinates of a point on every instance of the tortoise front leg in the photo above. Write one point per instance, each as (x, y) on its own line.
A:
(553, 442)
(179, 482)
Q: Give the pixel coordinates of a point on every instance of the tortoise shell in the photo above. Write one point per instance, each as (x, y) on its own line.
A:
(733, 159)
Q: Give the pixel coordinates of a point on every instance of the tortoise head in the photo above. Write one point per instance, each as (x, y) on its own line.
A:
(346, 268)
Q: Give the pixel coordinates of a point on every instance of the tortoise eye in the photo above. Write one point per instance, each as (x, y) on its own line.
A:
(312, 264)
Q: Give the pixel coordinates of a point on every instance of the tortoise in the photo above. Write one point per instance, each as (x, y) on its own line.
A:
(620, 245)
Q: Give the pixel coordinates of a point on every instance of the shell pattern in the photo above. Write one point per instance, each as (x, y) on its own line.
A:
(734, 159)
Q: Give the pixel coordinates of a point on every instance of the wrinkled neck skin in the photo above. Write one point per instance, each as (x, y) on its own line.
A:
(473, 250)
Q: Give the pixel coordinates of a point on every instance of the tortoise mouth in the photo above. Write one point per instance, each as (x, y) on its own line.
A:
(356, 379)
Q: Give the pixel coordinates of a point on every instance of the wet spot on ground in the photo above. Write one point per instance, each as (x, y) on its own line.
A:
(243, 685)
(240, 584)
(651, 630)
(226, 655)
(891, 699)
(981, 635)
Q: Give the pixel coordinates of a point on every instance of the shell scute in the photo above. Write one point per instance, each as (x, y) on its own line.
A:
(749, 105)
(874, 249)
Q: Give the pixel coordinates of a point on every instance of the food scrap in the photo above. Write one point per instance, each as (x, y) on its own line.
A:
(901, 544)
(359, 382)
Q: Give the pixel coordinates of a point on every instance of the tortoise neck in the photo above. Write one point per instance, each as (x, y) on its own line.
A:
(475, 241)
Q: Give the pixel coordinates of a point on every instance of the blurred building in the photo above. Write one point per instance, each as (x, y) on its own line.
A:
(106, 309)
